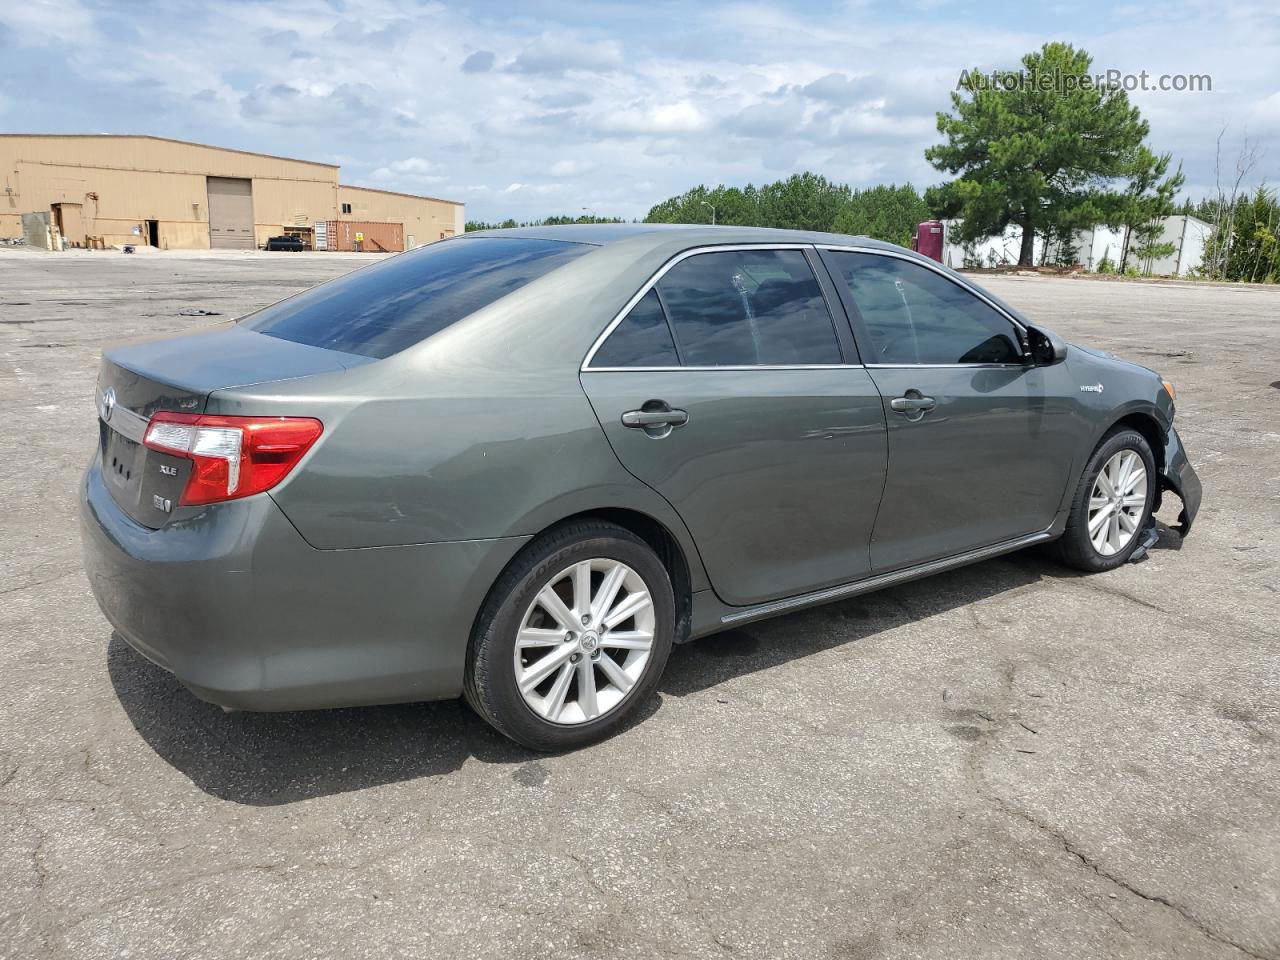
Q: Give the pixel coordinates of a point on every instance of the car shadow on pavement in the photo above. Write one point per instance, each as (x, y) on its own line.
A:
(712, 660)
(264, 759)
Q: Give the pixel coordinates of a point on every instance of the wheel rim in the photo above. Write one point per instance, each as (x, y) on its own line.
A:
(1118, 502)
(584, 642)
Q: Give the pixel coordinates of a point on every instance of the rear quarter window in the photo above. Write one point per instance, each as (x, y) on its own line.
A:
(405, 299)
(643, 339)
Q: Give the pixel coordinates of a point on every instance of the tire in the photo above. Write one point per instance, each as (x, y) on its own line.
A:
(555, 714)
(1077, 546)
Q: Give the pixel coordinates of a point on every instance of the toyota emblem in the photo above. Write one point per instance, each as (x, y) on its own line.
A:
(107, 404)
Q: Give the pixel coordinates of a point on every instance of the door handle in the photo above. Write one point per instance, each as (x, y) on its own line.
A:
(655, 418)
(912, 404)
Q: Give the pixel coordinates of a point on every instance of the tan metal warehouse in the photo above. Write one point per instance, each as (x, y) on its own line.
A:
(172, 194)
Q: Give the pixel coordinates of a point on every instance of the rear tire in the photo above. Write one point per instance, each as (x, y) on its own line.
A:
(573, 637)
(1111, 506)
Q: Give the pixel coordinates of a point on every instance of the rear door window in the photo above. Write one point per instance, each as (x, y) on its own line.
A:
(749, 308)
(405, 299)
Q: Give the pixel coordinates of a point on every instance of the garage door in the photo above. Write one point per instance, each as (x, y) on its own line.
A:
(231, 213)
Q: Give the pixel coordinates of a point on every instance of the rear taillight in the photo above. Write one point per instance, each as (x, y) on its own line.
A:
(231, 457)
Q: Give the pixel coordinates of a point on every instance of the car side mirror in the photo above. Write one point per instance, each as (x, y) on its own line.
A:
(1044, 347)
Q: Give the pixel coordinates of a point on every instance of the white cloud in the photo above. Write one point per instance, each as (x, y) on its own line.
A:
(539, 189)
(554, 53)
(48, 21)
(660, 120)
(571, 168)
(417, 172)
(681, 117)
(1266, 114)
(346, 105)
(412, 165)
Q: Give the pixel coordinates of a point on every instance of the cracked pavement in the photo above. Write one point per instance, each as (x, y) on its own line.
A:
(1009, 760)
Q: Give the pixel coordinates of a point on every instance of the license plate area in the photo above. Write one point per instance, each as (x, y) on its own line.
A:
(122, 463)
(146, 483)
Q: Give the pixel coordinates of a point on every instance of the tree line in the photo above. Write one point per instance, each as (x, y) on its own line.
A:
(805, 201)
(557, 221)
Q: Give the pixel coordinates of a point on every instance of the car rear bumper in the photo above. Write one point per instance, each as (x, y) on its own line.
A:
(249, 616)
(1180, 477)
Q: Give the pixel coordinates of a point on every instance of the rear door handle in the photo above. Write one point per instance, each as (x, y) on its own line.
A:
(655, 418)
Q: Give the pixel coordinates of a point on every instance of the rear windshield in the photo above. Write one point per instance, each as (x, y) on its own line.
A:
(382, 309)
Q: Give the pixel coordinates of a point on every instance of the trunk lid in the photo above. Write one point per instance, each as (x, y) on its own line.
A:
(177, 375)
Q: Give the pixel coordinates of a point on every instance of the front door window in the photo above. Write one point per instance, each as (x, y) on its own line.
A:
(914, 315)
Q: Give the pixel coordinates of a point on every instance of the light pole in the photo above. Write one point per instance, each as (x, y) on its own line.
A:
(713, 210)
(590, 211)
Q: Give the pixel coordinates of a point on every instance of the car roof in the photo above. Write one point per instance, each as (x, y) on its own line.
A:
(641, 239)
(697, 234)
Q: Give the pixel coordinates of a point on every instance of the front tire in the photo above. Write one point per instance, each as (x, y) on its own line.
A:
(1112, 504)
(573, 637)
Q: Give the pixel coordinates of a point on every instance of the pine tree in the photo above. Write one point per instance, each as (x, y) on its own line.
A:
(1034, 147)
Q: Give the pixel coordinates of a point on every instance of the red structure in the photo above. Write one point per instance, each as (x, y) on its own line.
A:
(365, 235)
(930, 236)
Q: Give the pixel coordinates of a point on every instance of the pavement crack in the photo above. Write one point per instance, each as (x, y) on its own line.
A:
(590, 878)
(699, 908)
(1091, 864)
(975, 762)
(87, 766)
(38, 583)
(1132, 598)
(38, 862)
(1211, 628)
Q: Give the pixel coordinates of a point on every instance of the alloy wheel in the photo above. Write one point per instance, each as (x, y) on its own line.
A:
(584, 642)
(1118, 502)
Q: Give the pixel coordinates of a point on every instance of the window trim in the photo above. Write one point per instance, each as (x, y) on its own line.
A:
(666, 316)
(652, 282)
(855, 316)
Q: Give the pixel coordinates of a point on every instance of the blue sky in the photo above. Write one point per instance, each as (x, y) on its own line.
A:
(529, 109)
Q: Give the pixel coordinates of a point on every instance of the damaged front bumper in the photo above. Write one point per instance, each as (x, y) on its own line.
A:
(1179, 476)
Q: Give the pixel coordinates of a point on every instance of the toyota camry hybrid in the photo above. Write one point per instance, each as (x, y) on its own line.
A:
(518, 465)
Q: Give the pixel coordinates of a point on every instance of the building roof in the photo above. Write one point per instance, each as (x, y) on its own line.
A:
(186, 143)
(212, 146)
